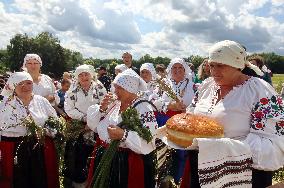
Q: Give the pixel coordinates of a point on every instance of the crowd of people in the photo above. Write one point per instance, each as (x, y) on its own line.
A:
(227, 86)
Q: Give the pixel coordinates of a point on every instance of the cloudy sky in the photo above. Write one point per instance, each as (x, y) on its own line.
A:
(105, 29)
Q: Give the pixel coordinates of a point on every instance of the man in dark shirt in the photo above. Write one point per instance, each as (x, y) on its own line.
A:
(127, 60)
(104, 78)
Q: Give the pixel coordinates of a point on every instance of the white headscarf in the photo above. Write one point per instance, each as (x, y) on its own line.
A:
(13, 81)
(231, 53)
(183, 63)
(130, 81)
(121, 67)
(32, 56)
(150, 67)
(85, 68)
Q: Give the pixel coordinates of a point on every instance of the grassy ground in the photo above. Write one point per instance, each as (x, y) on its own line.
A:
(277, 81)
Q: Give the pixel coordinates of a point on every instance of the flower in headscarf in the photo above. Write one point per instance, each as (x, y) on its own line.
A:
(13, 81)
(130, 81)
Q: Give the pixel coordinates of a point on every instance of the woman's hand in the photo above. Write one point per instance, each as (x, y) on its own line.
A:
(108, 98)
(115, 132)
(161, 131)
(177, 106)
(50, 98)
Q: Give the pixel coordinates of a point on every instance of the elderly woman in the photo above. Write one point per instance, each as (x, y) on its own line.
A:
(149, 75)
(249, 109)
(24, 161)
(182, 86)
(85, 92)
(133, 164)
(180, 81)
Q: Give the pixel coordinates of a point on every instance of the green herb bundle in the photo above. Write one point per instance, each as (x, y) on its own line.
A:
(33, 130)
(73, 129)
(131, 122)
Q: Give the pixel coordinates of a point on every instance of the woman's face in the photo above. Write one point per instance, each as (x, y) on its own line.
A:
(24, 88)
(223, 74)
(117, 71)
(146, 75)
(206, 68)
(33, 66)
(178, 72)
(85, 79)
(121, 93)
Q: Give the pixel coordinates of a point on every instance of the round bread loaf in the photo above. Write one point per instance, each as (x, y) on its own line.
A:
(183, 128)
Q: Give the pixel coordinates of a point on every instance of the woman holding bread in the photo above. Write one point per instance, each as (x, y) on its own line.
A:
(249, 109)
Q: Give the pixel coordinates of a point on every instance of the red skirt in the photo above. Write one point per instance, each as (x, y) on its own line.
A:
(8, 148)
(51, 163)
(6, 164)
(136, 168)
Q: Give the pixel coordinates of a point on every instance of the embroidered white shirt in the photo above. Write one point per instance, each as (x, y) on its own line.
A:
(78, 101)
(252, 112)
(113, 117)
(13, 112)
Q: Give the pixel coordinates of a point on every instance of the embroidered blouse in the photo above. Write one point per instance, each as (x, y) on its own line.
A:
(252, 112)
(13, 112)
(45, 87)
(77, 101)
(183, 90)
(99, 122)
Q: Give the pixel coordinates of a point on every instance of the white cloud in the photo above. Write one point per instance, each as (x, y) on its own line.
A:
(104, 29)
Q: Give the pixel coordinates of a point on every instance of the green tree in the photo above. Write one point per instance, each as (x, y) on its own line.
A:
(55, 58)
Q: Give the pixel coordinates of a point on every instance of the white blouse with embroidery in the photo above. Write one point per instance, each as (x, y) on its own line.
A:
(252, 112)
(183, 90)
(152, 93)
(99, 122)
(13, 112)
(78, 101)
(45, 86)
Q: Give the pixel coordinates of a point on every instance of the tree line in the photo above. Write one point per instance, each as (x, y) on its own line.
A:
(57, 59)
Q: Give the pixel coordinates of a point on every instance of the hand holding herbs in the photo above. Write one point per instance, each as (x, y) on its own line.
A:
(131, 122)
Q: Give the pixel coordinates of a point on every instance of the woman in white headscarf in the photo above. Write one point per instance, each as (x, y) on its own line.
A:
(134, 157)
(179, 79)
(180, 83)
(24, 161)
(250, 111)
(86, 91)
(117, 70)
(149, 75)
(42, 84)
(120, 68)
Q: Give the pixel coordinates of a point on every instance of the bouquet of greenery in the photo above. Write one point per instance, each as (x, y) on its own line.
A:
(131, 122)
(73, 129)
(58, 127)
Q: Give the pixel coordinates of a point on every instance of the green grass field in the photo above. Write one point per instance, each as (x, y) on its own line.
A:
(277, 81)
